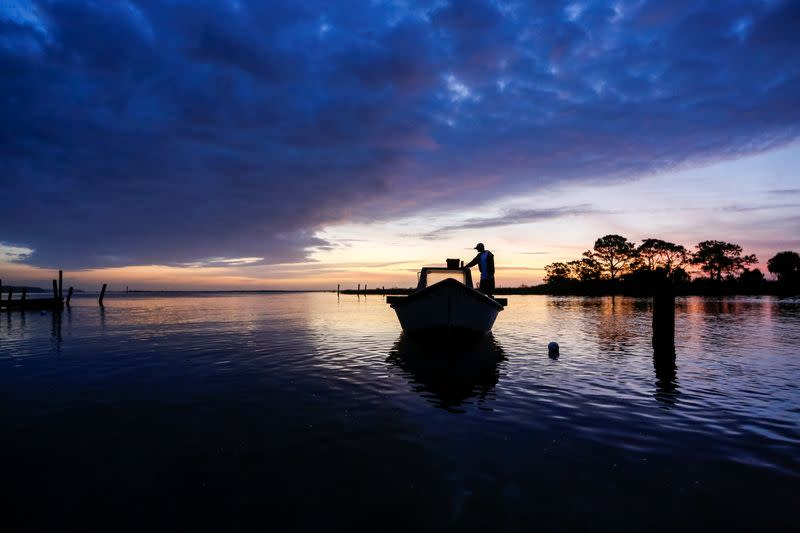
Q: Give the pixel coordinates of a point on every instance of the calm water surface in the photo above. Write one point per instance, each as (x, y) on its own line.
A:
(244, 411)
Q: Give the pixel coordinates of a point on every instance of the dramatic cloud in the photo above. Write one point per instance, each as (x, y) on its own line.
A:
(227, 132)
(512, 217)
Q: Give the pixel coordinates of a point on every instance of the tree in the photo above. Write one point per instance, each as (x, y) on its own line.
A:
(718, 257)
(557, 272)
(785, 265)
(655, 253)
(680, 276)
(585, 269)
(751, 277)
(614, 253)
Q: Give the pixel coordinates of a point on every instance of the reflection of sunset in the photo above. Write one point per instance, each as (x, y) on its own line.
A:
(614, 327)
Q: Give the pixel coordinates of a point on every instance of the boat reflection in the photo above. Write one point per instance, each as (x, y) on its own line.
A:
(449, 375)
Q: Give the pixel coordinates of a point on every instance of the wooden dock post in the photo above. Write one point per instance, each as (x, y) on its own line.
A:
(664, 317)
(365, 289)
(102, 294)
(338, 287)
(55, 290)
(24, 294)
(69, 295)
(60, 283)
(359, 289)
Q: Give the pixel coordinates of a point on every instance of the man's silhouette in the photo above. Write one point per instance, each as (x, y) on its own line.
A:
(485, 262)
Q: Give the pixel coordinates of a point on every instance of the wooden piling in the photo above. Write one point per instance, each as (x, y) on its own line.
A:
(338, 287)
(365, 289)
(664, 317)
(60, 283)
(24, 294)
(102, 294)
(55, 289)
(69, 295)
(359, 289)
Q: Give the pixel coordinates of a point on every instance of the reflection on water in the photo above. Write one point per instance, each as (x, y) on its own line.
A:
(201, 408)
(55, 330)
(614, 330)
(448, 375)
(664, 363)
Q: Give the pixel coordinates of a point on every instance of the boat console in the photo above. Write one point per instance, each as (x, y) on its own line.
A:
(431, 275)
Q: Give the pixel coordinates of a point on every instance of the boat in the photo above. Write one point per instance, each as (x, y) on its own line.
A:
(446, 305)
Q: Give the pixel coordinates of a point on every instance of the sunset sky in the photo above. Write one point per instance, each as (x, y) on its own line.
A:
(169, 144)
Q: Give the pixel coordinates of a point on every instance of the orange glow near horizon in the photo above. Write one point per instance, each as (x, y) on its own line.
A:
(685, 207)
(282, 277)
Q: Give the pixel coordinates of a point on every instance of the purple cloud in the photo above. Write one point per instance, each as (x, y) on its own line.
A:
(167, 132)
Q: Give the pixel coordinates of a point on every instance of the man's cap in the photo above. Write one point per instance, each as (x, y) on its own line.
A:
(479, 246)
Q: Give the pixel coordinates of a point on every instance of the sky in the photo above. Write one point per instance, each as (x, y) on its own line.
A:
(176, 144)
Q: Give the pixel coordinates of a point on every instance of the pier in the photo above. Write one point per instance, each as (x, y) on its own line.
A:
(55, 303)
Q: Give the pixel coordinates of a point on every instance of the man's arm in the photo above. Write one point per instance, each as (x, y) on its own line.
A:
(473, 262)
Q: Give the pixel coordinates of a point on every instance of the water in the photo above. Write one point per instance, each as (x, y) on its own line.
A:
(245, 411)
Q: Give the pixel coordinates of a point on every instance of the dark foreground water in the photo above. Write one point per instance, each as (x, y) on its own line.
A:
(231, 412)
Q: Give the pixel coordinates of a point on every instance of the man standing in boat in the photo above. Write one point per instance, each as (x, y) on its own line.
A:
(485, 262)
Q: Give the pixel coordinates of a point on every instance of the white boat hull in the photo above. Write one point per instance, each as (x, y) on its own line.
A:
(447, 306)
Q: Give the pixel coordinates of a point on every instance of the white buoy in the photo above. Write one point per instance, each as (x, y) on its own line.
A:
(552, 349)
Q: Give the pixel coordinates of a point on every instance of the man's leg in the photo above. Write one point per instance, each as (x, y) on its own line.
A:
(487, 286)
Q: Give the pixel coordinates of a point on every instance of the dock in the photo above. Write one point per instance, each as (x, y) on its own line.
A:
(23, 303)
(55, 303)
(32, 304)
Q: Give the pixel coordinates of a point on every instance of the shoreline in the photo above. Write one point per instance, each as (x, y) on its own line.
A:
(770, 288)
(547, 290)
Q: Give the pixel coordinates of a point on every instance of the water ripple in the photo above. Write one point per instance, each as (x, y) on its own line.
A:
(314, 376)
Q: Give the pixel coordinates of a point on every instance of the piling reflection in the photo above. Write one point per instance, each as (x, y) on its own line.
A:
(55, 330)
(448, 375)
(666, 375)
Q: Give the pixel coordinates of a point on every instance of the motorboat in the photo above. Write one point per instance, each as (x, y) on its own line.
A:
(446, 304)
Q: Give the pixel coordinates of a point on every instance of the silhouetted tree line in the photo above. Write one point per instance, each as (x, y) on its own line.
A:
(617, 265)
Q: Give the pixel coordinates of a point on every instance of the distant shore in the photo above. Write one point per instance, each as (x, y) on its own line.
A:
(236, 291)
(572, 288)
